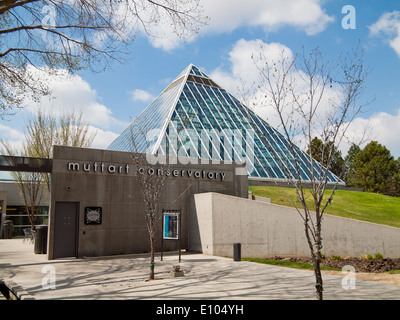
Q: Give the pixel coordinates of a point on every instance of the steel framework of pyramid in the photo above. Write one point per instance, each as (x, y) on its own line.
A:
(194, 117)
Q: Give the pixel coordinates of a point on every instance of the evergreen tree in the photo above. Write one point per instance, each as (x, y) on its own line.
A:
(349, 161)
(395, 190)
(373, 169)
(328, 155)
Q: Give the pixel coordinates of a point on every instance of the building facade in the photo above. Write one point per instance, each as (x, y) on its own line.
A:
(97, 205)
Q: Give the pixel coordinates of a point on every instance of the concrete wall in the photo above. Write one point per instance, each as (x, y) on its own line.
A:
(123, 228)
(265, 230)
(10, 194)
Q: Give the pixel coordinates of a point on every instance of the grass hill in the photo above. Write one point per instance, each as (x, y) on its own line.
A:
(365, 206)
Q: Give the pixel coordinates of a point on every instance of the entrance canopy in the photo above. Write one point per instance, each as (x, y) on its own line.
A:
(25, 164)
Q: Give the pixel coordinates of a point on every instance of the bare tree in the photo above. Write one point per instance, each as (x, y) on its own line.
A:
(54, 34)
(311, 97)
(152, 177)
(151, 186)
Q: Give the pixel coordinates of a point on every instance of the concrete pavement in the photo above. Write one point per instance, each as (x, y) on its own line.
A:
(205, 277)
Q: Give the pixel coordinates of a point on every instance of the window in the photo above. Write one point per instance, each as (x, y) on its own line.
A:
(20, 219)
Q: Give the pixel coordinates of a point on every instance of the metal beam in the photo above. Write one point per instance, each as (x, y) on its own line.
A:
(25, 164)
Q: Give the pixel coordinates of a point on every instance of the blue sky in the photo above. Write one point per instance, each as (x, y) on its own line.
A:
(110, 99)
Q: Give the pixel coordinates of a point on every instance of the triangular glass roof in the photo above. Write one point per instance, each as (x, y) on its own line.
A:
(194, 117)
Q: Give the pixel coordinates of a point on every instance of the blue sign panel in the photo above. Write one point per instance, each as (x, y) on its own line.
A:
(171, 225)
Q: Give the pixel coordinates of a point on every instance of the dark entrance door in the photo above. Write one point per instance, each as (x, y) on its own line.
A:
(65, 229)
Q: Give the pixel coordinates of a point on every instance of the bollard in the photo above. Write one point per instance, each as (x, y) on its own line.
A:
(237, 252)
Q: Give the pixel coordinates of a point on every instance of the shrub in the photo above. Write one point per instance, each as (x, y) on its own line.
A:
(367, 257)
(378, 255)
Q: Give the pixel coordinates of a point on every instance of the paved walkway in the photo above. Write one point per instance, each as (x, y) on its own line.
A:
(205, 277)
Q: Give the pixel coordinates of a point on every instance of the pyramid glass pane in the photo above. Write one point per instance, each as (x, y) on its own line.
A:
(194, 117)
(137, 136)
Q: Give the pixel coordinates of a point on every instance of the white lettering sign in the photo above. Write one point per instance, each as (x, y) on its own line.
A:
(124, 169)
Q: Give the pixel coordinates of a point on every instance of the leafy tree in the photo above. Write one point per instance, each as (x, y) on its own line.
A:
(396, 180)
(320, 152)
(373, 169)
(43, 132)
(349, 162)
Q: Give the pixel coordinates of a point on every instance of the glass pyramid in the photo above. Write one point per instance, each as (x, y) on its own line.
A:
(194, 117)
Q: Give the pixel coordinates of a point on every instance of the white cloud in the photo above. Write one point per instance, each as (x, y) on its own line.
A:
(103, 138)
(168, 40)
(228, 15)
(243, 73)
(242, 65)
(12, 136)
(16, 138)
(388, 25)
(163, 29)
(141, 95)
(383, 127)
(68, 93)
(71, 93)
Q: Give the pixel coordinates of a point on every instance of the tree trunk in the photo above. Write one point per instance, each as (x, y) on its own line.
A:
(152, 263)
(316, 257)
(32, 217)
(318, 279)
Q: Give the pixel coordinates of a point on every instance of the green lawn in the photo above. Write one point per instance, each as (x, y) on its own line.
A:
(289, 264)
(364, 206)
